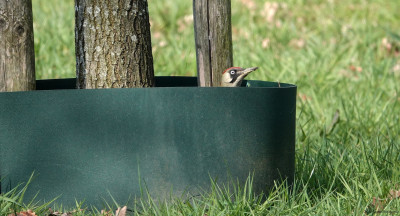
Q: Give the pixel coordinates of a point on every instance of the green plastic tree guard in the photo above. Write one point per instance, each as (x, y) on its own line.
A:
(90, 144)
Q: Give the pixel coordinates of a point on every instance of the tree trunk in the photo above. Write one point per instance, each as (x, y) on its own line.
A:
(17, 55)
(213, 36)
(113, 44)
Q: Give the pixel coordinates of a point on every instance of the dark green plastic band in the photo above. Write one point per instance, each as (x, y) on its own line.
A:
(85, 144)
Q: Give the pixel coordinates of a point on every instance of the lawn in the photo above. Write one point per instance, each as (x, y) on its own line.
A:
(344, 56)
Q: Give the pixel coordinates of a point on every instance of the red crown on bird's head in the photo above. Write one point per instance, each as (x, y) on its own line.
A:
(231, 69)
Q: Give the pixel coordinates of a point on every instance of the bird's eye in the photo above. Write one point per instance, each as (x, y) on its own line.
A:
(232, 72)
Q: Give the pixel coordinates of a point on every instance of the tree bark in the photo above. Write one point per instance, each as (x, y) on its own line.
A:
(213, 36)
(17, 55)
(113, 44)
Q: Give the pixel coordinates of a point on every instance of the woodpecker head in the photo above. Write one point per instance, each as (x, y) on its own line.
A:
(233, 77)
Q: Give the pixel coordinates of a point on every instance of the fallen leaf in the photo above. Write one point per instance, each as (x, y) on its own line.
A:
(355, 68)
(379, 204)
(185, 22)
(386, 44)
(250, 4)
(394, 194)
(391, 47)
(396, 69)
(121, 211)
(304, 97)
(24, 213)
(102, 212)
(297, 43)
(269, 11)
(265, 43)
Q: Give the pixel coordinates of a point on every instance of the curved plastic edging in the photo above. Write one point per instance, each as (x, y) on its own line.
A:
(87, 144)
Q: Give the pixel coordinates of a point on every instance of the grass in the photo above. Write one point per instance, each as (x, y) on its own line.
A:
(343, 55)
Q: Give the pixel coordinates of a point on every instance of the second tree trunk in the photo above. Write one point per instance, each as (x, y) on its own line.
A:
(113, 44)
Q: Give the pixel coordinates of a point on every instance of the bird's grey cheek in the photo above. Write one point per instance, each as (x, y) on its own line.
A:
(226, 79)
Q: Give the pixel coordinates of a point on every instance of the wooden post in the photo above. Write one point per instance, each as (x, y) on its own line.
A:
(17, 55)
(213, 36)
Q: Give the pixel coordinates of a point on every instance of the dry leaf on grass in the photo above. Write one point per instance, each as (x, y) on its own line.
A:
(355, 68)
(379, 204)
(56, 213)
(394, 194)
(185, 22)
(265, 43)
(304, 97)
(392, 48)
(120, 212)
(250, 4)
(297, 43)
(24, 213)
(269, 11)
(396, 69)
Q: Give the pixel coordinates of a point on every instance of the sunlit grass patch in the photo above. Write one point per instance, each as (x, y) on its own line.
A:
(344, 56)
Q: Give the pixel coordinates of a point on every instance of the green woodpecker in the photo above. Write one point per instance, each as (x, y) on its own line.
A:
(233, 77)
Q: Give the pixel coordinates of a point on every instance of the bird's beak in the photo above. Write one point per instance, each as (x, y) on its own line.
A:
(247, 71)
